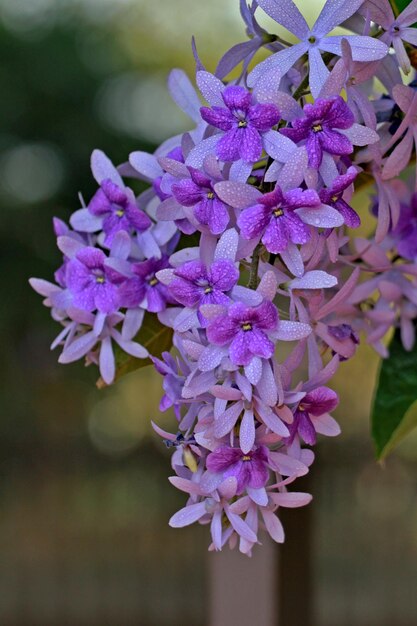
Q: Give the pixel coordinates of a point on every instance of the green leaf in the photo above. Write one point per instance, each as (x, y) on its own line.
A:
(153, 336)
(399, 5)
(394, 412)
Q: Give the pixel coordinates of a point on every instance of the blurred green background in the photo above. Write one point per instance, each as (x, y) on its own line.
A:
(84, 498)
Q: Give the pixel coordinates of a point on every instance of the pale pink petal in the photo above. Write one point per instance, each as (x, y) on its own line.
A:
(253, 371)
(85, 221)
(360, 135)
(293, 172)
(78, 348)
(201, 150)
(287, 465)
(273, 422)
(247, 431)
(103, 168)
(399, 157)
(326, 425)
(273, 526)
(284, 60)
(236, 194)
(292, 331)
(226, 422)
(184, 95)
(268, 286)
(291, 499)
(267, 387)
(315, 279)
(259, 496)
(293, 260)
(287, 14)
(183, 484)
(146, 164)
(227, 245)
(278, 146)
(188, 515)
(211, 88)
(240, 171)
(69, 246)
(341, 296)
(241, 527)
(318, 71)
(321, 217)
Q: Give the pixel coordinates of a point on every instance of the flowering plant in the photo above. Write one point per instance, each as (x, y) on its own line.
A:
(242, 256)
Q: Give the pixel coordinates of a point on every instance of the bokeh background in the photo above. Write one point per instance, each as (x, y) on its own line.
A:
(84, 497)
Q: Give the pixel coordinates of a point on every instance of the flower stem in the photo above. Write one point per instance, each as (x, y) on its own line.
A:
(253, 276)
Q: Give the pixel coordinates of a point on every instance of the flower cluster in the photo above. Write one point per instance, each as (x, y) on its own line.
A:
(244, 245)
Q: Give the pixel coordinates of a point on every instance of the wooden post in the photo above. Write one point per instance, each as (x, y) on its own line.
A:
(244, 590)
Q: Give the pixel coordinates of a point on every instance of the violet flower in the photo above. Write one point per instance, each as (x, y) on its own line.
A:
(118, 211)
(250, 469)
(176, 155)
(273, 218)
(144, 284)
(245, 330)
(93, 284)
(242, 122)
(333, 196)
(398, 29)
(406, 230)
(315, 40)
(406, 98)
(320, 129)
(195, 284)
(198, 192)
(311, 415)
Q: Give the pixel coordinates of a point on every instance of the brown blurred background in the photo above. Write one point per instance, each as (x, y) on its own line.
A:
(84, 498)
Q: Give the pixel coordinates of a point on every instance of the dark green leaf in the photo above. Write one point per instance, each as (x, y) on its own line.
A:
(155, 337)
(394, 412)
(399, 5)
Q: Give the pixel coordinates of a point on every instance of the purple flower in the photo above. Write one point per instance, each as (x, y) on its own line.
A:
(176, 155)
(318, 126)
(316, 404)
(244, 329)
(144, 284)
(242, 123)
(315, 40)
(250, 469)
(333, 196)
(118, 210)
(406, 230)
(398, 29)
(196, 284)
(93, 284)
(198, 192)
(273, 218)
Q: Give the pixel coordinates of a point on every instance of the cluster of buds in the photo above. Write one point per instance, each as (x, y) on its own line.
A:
(244, 245)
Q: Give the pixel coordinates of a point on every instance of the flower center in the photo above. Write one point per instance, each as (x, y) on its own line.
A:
(317, 128)
(278, 212)
(242, 124)
(246, 457)
(246, 326)
(99, 275)
(208, 290)
(312, 39)
(120, 212)
(210, 195)
(301, 408)
(153, 281)
(335, 198)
